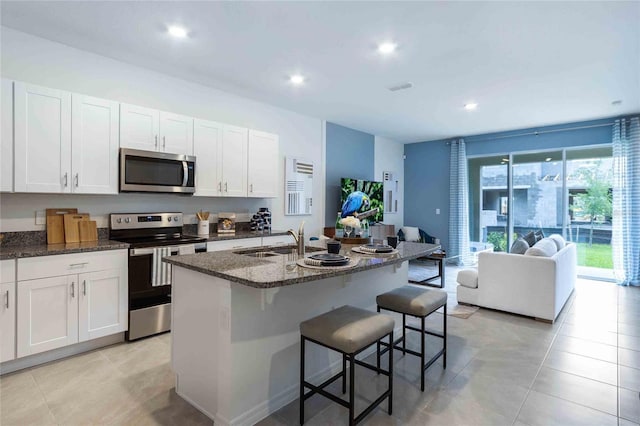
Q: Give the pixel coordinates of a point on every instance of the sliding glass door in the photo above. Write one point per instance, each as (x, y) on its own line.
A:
(565, 192)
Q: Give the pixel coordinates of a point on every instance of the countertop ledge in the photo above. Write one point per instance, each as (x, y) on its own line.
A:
(21, 251)
(280, 271)
(240, 235)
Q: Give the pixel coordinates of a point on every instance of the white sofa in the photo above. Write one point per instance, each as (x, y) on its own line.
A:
(534, 286)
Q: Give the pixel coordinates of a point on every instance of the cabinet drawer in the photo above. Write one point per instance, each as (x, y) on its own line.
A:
(234, 244)
(278, 240)
(65, 264)
(7, 271)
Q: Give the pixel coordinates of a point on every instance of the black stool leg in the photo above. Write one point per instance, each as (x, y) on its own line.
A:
(352, 387)
(302, 339)
(378, 350)
(344, 373)
(444, 355)
(422, 352)
(391, 374)
(404, 335)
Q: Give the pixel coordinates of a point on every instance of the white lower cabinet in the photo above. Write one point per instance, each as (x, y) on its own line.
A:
(57, 311)
(47, 314)
(7, 310)
(239, 243)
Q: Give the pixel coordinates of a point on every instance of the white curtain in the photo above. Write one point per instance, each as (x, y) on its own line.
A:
(625, 239)
(459, 203)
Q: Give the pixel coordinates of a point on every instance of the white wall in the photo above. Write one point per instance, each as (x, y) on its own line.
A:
(389, 157)
(43, 62)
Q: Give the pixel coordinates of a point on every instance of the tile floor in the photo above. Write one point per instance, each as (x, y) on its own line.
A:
(502, 370)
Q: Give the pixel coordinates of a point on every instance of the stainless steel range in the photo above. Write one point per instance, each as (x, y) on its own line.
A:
(151, 237)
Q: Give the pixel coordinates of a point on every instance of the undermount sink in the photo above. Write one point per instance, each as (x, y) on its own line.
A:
(275, 251)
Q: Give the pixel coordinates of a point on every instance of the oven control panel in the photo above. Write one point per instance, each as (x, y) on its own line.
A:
(144, 220)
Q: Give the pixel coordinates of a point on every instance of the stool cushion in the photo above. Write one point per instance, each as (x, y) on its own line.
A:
(347, 329)
(468, 278)
(412, 300)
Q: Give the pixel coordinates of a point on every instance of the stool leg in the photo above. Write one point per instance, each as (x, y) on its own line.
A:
(444, 358)
(422, 351)
(378, 351)
(344, 373)
(302, 380)
(404, 336)
(391, 374)
(352, 387)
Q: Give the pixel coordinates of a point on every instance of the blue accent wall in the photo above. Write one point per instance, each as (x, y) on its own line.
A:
(426, 171)
(350, 154)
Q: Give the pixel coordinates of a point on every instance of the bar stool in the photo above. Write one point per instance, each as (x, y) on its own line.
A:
(350, 331)
(419, 303)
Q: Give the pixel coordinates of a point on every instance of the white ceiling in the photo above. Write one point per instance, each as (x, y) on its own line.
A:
(525, 63)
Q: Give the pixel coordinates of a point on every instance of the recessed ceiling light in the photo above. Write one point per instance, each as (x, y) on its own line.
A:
(177, 31)
(297, 79)
(616, 102)
(505, 160)
(470, 106)
(547, 159)
(387, 47)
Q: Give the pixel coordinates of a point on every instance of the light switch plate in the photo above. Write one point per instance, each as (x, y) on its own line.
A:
(41, 218)
(437, 211)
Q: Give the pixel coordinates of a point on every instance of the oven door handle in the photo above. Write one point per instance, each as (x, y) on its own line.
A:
(185, 173)
(148, 250)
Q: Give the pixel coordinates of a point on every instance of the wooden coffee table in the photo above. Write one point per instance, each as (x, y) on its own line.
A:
(439, 257)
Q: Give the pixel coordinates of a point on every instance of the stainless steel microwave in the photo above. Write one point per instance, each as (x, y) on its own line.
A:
(149, 171)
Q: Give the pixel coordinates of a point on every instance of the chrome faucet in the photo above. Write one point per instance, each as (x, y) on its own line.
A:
(298, 238)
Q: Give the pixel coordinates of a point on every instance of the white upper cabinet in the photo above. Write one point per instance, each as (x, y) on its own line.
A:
(6, 142)
(176, 133)
(42, 135)
(139, 127)
(94, 145)
(207, 147)
(152, 130)
(234, 161)
(263, 155)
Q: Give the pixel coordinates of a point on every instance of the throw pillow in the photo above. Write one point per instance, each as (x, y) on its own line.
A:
(530, 238)
(411, 233)
(539, 235)
(560, 242)
(519, 246)
(543, 248)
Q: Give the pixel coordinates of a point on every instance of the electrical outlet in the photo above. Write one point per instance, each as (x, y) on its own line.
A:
(41, 218)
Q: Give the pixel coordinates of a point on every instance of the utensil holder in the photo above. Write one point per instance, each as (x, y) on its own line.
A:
(203, 228)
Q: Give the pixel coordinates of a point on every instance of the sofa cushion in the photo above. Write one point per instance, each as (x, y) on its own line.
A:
(546, 247)
(468, 278)
(530, 238)
(560, 242)
(519, 246)
(411, 233)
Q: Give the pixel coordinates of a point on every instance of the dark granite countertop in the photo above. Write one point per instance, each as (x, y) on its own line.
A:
(240, 234)
(15, 251)
(279, 271)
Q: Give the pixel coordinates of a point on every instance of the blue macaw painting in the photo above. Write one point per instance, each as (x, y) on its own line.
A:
(355, 201)
(359, 196)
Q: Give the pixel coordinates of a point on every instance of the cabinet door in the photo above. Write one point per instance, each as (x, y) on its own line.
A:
(7, 321)
(94, 145)
(263, 170)
(6, 136)
(139, 127)
(176, 133)
(42, 134)
(103, 303)
(234, 161)
(207, 147)
(47, 314)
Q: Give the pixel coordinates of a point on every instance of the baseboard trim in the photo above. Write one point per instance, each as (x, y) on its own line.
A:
(60, 353)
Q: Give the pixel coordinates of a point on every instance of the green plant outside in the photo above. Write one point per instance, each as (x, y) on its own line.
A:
(595, 255)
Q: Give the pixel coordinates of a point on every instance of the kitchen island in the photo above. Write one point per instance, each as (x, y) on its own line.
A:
(235, 316)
